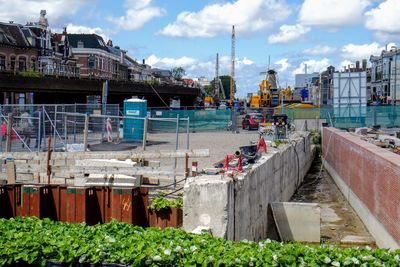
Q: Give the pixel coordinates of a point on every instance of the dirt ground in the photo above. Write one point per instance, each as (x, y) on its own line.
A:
(339, 222)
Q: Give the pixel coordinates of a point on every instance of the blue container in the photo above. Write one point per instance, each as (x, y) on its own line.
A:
(133, 128)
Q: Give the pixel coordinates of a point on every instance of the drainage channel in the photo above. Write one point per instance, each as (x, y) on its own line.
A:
(340, 224)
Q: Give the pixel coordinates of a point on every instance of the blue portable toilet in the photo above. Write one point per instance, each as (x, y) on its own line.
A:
(133, 128)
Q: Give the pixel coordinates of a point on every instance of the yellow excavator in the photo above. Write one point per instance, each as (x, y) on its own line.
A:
(269, 94)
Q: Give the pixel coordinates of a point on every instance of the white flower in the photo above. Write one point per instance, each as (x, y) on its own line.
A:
(167, 252)
(335, 263)
(178, 248)
(193, 248)
(268, 240)
(210, 258)
(237, 260)
(148, 262)
(156, 258)
(327, 260)
(274, 256)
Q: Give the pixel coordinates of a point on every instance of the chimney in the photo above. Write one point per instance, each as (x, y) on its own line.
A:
(65, 30)
(364, 64)
(144, 62)
(11, 22)
(357, 65)
(110, 43)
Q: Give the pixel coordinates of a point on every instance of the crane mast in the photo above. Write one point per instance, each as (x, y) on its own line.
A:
(233, 48)
(216, 81)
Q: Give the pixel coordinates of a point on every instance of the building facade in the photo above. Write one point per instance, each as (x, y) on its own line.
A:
(385, 77)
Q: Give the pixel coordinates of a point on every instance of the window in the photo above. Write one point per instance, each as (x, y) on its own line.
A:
(33, 63)
(12, 63)
(2, 62)
(92, 62)
(22, 64)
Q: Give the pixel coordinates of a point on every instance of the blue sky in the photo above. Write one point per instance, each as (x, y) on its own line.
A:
(188, 33)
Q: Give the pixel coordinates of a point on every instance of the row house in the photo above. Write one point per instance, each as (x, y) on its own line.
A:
(96, 59)
(385, 81)
(30, 47)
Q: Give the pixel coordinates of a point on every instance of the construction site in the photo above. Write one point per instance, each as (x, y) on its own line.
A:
(272, 171)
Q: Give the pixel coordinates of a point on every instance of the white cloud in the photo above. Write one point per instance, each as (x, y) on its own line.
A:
(247, 16)
(288, 33)
(312, 66)
(319, 50)
(137, 14)
(167, 62)
(364, 51)
(284, 64)
(384, 19)
(22, 11)
(332, 13)
(72, 28)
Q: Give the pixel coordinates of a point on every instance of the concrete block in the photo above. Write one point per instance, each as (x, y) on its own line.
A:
(208, 202)
(297, 221)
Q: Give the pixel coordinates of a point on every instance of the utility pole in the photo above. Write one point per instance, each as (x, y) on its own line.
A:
(233, 55)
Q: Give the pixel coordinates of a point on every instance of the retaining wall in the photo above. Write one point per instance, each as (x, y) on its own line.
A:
(237, 208)
(369, 177)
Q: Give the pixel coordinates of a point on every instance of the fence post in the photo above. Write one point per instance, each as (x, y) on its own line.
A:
(176, 145)
(85, 133)
(55, 127)
(187, 133)
(146, 120)
(65, 130)
(44, 124)
(75, 124)
(9, 132)
(39, 133)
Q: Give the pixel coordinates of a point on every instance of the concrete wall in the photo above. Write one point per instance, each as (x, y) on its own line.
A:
(238, 208)
(369, 177)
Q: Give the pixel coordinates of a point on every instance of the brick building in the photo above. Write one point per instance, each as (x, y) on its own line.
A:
(96, 59)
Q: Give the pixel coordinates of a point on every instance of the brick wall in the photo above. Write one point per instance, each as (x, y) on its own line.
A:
(372, 173)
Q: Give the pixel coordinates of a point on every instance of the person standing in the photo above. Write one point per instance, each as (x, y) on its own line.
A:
(38, 127)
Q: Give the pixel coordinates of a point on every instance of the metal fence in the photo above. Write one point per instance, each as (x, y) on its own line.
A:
(87, 127)
(349, 117)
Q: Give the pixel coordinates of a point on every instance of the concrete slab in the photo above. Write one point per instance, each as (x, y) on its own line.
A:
(297, 221)
(357, 240)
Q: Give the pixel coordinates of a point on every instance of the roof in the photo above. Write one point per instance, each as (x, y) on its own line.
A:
(89, 41)
(11, 34)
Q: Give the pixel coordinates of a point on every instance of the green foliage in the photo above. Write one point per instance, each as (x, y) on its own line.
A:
(209, 90)
(315, 137)
(178, 73)
(160, 203)
(32, 241)
(30, 73)
(226, 83)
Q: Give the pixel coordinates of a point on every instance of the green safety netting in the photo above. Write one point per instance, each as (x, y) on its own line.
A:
(199, 120)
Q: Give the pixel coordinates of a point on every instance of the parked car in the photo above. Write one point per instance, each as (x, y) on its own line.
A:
(252, 120)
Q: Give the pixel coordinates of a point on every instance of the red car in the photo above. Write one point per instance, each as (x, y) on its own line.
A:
(252, 120)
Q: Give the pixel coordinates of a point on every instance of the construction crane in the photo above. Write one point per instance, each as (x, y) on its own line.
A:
(233, 55)
(214, 98)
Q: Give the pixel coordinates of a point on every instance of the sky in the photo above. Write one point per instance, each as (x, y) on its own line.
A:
(189, 33)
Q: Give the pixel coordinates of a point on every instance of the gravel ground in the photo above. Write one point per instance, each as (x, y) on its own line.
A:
(339, 222)
(219, 143)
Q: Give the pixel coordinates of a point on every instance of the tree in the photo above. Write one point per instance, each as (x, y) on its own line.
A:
(178, 73)
(209, 89)
(226, 83)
